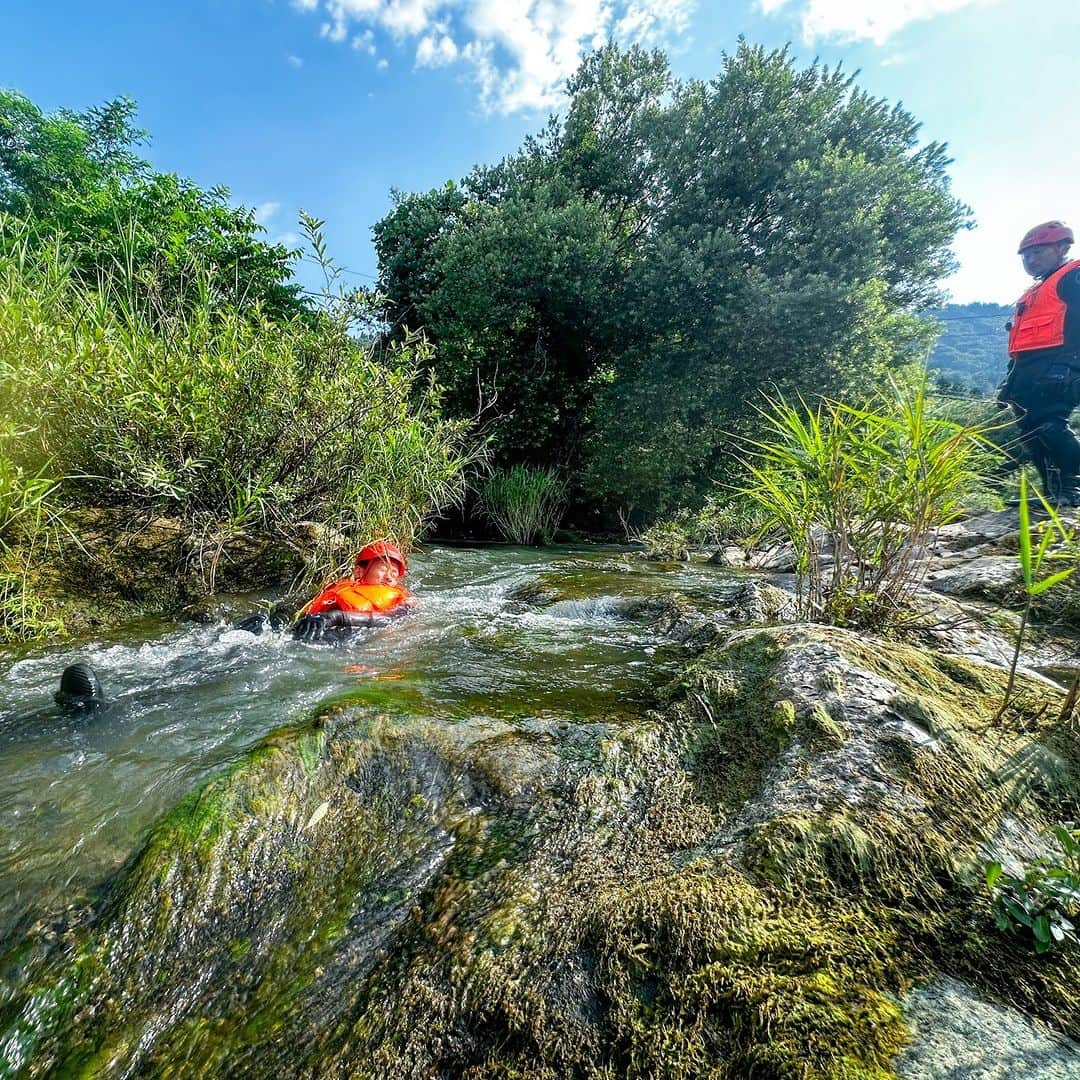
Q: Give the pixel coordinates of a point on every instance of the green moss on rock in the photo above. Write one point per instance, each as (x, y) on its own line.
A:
(742, 884)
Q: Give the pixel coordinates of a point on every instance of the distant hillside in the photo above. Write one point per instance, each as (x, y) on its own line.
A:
(971, 349)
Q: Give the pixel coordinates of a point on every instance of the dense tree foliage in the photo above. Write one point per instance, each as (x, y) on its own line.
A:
(79, 174)
(971, 350)
(625, 285)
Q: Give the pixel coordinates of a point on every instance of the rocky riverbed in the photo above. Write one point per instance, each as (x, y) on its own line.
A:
(772, 870)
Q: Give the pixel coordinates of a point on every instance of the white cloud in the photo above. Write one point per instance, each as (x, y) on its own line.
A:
(335, 31)
(365, 42)
(435, 51)
(644, 21)
(265, 211)
(518, 52)
(873, 20)
(295, 61)
(382, 65)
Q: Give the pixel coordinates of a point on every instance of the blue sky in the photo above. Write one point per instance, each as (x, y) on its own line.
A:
(328, 104)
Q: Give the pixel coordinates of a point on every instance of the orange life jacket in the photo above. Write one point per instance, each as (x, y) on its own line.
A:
(1039, 319)
(349, 595)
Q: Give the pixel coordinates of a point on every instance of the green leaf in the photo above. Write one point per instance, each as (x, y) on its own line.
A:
(1048, 583)
(1017, 912)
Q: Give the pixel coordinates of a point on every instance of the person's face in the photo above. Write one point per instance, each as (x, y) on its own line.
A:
(378, 572)
(1041, 260)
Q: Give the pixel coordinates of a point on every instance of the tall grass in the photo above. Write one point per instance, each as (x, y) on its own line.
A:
(1043, 565)
(525, 504)
(227, 421)
(31, 526)
(858, 491)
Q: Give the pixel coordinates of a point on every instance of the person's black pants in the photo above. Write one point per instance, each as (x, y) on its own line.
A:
(1043, 393)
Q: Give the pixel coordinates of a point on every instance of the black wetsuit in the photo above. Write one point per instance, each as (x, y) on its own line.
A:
(1044, 388)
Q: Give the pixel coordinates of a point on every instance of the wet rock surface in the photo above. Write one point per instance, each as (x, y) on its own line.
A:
(776, 872)
(956, 1035)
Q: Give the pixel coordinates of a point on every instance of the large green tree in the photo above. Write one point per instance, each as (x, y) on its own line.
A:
(629, 283)
(79, 173)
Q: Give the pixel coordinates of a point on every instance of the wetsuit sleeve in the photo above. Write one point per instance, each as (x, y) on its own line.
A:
(1069, 290)
(353, 619)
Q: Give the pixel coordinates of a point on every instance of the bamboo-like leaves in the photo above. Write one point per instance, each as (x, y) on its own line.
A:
(1057, 542)
(857, 490)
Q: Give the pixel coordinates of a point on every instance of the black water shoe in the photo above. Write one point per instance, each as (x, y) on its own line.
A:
(80, 688)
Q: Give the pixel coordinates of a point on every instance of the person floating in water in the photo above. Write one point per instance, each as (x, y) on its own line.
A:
(371, 591)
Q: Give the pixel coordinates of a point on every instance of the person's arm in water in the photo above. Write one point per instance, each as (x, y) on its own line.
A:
(313, 626)
(325, 613)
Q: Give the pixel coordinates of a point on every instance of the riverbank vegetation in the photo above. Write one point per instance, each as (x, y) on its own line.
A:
(618, 292)
(858, 492)
(179, 376)
(611, 301)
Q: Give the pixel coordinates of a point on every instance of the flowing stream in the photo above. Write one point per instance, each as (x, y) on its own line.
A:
(80, 792)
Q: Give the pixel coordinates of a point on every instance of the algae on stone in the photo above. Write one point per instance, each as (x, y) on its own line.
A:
(744, 882)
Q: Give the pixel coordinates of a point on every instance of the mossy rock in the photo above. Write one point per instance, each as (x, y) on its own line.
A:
(744, 883)
(112, 567)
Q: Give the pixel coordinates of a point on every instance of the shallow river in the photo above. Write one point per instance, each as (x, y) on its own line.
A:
(79, 794)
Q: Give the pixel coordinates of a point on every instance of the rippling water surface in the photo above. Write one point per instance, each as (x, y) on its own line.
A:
(79, 793)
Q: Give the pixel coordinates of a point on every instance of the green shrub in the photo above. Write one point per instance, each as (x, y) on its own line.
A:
(857, 491)
(1045, 899)
(731, 518)
(670, 540)
(723, 519)
(225, 420)
(524, 504)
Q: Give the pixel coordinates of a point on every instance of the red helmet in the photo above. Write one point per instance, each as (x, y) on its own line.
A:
(1049, 232)
(381, 550)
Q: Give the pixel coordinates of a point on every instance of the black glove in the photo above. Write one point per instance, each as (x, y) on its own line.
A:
(315, 627)
(264, 623)
(309, 628)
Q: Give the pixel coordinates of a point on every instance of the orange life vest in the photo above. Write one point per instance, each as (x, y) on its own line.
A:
(349, 595)
(1039, 319)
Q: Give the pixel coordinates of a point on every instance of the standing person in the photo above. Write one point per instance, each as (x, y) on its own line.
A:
(1043, 381)
(371, 590)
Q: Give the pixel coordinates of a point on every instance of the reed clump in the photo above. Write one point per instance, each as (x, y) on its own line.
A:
(525, 504)
(857, 492)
